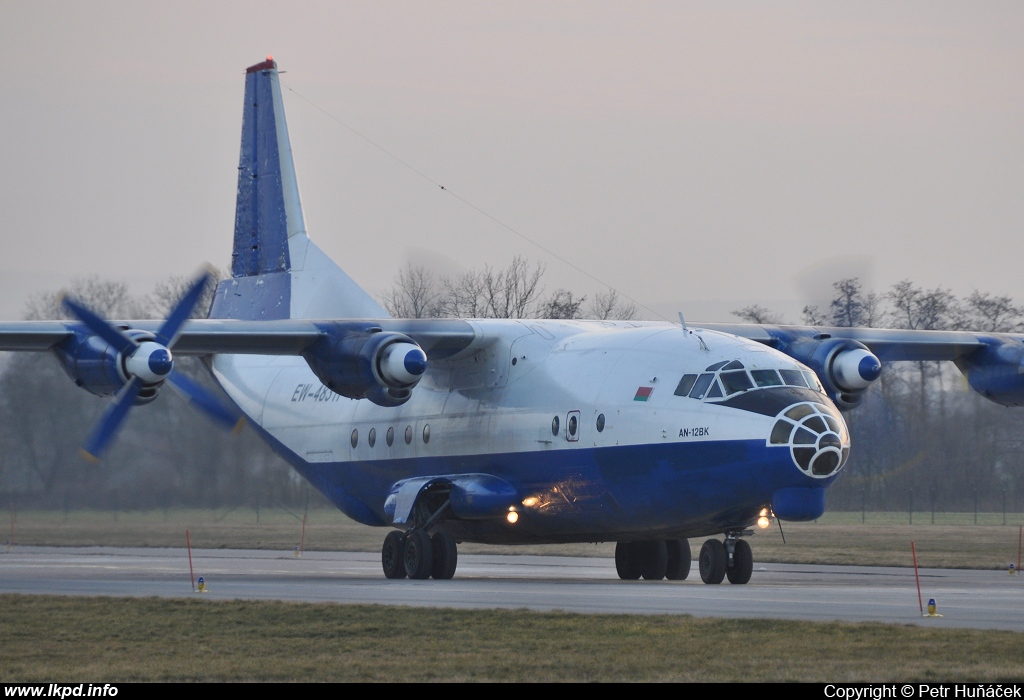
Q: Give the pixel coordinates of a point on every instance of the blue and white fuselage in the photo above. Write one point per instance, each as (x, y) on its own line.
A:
(580, 418)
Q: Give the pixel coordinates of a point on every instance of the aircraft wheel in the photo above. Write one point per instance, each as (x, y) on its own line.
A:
(712, 562)
(446, 555)
(653, 559)
(678, 560)
(742, 563)
(392, 555)
(627, 563)
(418, 557)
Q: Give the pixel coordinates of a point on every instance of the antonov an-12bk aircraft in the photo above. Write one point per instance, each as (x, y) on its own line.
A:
(502, 431)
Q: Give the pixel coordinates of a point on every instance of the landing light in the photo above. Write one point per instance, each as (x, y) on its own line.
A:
(531, 501)
(763, 522)
(512, 517)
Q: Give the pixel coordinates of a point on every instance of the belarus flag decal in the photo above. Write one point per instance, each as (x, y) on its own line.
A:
(643, 393)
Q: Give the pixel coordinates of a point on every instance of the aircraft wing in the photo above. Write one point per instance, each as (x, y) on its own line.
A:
(439, 338)
(888, 344)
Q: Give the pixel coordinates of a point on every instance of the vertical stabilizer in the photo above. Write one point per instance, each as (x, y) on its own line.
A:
(276, 271)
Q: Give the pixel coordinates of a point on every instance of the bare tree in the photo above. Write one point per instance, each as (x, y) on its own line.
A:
(755, 313)
(608, 305)
(168, 292)
(512, 292)
(814, 317)
(920, 309)
(414, 294)
(108, 298)
(463, 296)
(562, 304)
(984, 312)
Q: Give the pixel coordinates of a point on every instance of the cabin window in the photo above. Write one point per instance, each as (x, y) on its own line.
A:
(572, 426)
(390, 437)
(554, 426)
(426, 433)
(600, 423)
(408, 434)
(355, 438)
(372, 437)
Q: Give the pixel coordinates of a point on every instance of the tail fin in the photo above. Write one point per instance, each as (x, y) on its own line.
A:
(276, 271)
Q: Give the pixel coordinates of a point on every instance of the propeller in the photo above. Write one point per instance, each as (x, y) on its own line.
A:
(147, 364)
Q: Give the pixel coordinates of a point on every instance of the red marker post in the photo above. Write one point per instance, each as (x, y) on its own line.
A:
(920, 604)
(188, 543)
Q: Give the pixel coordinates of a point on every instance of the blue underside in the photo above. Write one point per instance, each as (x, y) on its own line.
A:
(603, 494)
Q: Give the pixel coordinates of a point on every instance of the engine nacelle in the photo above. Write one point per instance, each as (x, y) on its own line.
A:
(368, 363)
(845, 367)
(97, 367)
(997, 371)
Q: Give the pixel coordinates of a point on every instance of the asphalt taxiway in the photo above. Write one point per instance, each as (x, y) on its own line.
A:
(964, 598)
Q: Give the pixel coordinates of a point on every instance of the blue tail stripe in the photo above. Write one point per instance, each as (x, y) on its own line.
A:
(261, 234)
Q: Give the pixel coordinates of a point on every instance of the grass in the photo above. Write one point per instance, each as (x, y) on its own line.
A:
(50, 638)
(954, 541)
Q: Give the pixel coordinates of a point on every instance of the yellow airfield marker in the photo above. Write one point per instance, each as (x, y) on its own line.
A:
(202, 586)
(931, 609)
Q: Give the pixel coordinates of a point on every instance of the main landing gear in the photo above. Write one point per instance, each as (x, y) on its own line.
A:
(419, 555)
(654, 560)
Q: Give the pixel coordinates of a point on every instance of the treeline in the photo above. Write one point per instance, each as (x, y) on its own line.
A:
(921, 439)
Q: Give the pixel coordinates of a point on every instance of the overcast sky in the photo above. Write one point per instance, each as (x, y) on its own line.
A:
(700, 156)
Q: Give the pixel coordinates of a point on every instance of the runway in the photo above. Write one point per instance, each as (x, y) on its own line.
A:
(964, 598)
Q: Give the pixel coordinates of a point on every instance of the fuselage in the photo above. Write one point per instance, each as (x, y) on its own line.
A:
(606, 430)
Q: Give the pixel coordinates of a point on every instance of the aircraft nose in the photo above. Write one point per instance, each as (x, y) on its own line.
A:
(816, 435)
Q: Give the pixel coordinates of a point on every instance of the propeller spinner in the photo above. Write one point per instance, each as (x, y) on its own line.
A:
(147, 363)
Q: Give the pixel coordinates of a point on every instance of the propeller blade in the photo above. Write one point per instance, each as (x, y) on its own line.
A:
(200, 397)
(111, 421)
(118, 340)
(168, 332)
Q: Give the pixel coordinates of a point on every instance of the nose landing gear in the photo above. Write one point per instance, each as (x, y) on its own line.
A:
(732, 559)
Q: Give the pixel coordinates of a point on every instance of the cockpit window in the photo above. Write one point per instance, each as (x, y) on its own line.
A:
(715, 392)
(685, 384)
(794, 377)
(766, 377)
(701, 387)
(730, 377)
(736, 381)
(812, 381)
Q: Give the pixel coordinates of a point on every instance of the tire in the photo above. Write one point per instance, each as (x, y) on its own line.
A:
(742, 563)
(678, 560)
(627, 563)
(392, 555)
(446, 555)
(653, 559)
(712, 562)
(418, 557)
